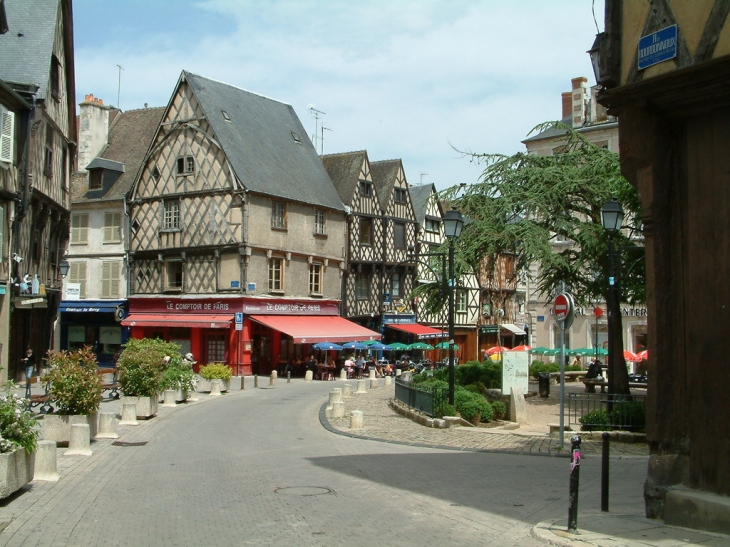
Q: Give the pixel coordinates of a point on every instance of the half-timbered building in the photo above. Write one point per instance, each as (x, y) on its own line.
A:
(237, 235)
(39, 117)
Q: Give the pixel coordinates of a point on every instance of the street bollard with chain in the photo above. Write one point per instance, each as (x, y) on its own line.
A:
(574, 483)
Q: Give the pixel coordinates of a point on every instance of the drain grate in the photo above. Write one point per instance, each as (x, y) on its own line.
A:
(125, 443)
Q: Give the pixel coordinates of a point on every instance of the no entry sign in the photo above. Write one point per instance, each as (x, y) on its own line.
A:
(563, 310)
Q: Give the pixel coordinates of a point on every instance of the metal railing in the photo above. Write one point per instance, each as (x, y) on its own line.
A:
(428, 400)
(627, 412)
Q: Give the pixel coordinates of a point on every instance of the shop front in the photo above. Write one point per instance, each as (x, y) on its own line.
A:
(94, 323)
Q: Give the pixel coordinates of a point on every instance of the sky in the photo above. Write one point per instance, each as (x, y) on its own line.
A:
(426, 81)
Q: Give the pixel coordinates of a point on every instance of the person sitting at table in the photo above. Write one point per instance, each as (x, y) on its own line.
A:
(388, 369)
(349, 366)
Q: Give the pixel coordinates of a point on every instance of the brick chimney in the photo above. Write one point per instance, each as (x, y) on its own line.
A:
(93, 129)
(580, 100)
(567, 98)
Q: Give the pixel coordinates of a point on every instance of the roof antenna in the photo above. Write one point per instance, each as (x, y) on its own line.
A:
(423, 175)
(119, 86)
(321, 142)
(315, 136)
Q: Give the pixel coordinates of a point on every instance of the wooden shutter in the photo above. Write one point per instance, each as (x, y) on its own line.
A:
(77, 274)
(110, 280)
(112, 226)
(7, 134)
(80, 228)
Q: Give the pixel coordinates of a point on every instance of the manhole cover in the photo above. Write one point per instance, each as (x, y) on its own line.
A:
(125, 443)
(304, 490)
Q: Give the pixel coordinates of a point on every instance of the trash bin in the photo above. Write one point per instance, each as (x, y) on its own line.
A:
(543, 381)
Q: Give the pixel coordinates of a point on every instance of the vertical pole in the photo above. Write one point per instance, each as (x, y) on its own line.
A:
(562, 383)
(605, 471)
(451, 322)
(255, 380)
(612, 310)
(574, 484)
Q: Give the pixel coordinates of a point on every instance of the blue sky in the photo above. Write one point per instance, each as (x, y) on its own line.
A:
(409, 79)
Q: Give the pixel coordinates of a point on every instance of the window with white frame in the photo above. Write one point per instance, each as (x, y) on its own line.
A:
(112, 227)
(320, 221)
(432, 225)
(185, 165)
(110, 277)
(173, 275)
(276, 274)
(171, 214)
(460, 301)
(79, 228)
(395, 285)
(77, 274)
(399, 235)
(7, 135)
(315, 278)
(278, 215)
(362, 285)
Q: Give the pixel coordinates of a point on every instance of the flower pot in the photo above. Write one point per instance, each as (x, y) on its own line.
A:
(203, 385)
(57, 427)
(16, 470)
(181, 395)
(146, 406)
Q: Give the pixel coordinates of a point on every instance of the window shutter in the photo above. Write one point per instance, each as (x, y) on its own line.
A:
(78, 275)
(112, 223)
(7, 133)
(110, 280)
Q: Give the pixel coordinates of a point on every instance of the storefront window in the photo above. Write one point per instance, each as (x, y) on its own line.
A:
(76, 337)
(110, 340)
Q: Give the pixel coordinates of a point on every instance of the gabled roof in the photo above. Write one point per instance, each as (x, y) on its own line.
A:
(25, 50)
(130, 135)
(265, 143)
(384, 174)
(420, 196)
(344, 170)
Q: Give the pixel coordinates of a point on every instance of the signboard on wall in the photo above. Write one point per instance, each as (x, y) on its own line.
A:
(73, 291)
(515, 371)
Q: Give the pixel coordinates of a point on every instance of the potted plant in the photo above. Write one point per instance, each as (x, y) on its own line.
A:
(18, 441)
(216, 371)
(178, 375)
(141, 365)
(75, 389)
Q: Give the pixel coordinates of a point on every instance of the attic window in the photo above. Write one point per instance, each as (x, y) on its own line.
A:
(296, 137)
(226, 116)
(156, 174)
(185, 165)
(95, 178)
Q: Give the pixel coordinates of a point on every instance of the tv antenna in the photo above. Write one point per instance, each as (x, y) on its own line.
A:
(321, 142)
(315, 136)
(119, 85)
(423, 175)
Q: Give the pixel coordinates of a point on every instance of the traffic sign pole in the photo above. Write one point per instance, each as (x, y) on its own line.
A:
(563, 311)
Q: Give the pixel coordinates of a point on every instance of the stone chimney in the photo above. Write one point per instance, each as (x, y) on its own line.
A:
(93, 129)
(567, 98)
(580, 100)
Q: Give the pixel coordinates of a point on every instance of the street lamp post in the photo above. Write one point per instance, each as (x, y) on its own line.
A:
(612, 216)
(453, 223)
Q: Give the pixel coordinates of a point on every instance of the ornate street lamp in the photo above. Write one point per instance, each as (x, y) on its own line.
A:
(612, 217)
(453, 223)
(63, 267)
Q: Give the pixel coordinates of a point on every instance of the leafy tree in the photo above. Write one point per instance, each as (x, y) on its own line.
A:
(522, 202)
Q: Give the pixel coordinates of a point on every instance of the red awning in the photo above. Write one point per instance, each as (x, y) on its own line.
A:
(422, 331)
(182, 320)
(306, 329)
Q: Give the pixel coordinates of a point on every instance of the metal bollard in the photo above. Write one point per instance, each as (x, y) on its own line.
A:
(604, 470)
(574, 484)
(288, 376)
(255, 380)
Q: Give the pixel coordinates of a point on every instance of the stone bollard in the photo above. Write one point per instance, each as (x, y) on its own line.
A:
(398, 372)
(255, 380)
(79, 443)
(193, 396)
(169, 398)
(347, 391)
(308, 376)
(107, 426)
(338, 409)
(343, 374)
(388, 381)
(374, 383)
(356, 419)
(288, 376)
(272, 377)
(335, 397)
(46, 468)
(361, 386)
(129, 414)
(371, 373)
(216, 386)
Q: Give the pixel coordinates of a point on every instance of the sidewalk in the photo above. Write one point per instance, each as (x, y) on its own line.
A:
(382, 423)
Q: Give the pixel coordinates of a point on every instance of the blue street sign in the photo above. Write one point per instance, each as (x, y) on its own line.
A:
(658, 47)
(239, 317)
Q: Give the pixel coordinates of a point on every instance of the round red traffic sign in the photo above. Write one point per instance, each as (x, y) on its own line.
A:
(561, 307)
(598, 311)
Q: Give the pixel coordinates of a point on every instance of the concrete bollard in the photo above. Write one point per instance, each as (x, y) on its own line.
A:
(334, 397)
(371, 373)
(356, 419)
(343, 374)
(374, 383)
(193, 396)
(216, 386)
(338, 409)
(388, 381)
(46, 468)
(129, 414)
(107, 426)
(168, 398)
(255, 380)
(361, 386)
(79, 442)
(288, 376)
(308, 376)
(272, 377)
(347, 391)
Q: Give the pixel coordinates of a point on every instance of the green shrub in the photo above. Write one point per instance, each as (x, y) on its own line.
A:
(629, 415)
(473, 407)
(75, 384)
(475, 388)
(444, 410)
(574, 367)
(215, 371)
(499, 409)
(178, 375)
(488, 374)
(18, 427)
(537, 368)
(141, 365)
(596, 420)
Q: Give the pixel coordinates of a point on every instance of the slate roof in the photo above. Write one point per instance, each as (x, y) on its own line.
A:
(344, 170)
(419, 199)
(265, 143)
(384, 176)
(25, 51)
(130, 135)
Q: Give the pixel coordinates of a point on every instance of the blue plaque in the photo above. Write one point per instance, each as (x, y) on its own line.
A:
(658, 47)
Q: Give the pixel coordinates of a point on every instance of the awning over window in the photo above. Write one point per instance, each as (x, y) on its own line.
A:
(513, 328)
(306, 329)
(422, 331)
(190, 320)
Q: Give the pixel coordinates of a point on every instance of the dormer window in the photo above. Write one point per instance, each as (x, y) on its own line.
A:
(95, 179)
(366, 188)
(399, 195)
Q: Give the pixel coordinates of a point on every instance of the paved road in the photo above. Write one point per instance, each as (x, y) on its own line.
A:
(257, 468)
